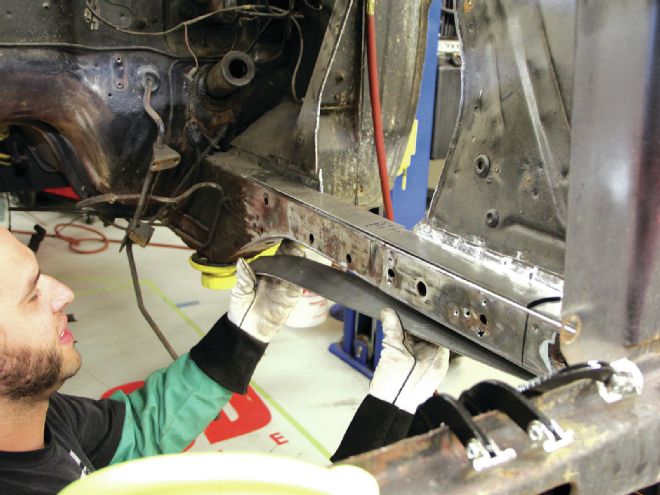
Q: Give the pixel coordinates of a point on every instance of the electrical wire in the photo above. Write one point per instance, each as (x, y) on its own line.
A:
(374, 93)
(110, 2)
(185, 37)
(250, 9)
(318, 7)
(256, 38)
(294, 76)
(74, 46)
(111, 198)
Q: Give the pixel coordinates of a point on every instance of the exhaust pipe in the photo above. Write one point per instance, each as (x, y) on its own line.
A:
(235, 70)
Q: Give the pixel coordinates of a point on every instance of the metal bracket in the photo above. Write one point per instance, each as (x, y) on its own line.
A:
(494, 395)
(488, 455)
(481, 450)
(615, 380)
(627, 380)
(141, 234)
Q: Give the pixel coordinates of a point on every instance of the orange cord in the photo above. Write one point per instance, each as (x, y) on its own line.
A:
(100, 237)
(75, 242)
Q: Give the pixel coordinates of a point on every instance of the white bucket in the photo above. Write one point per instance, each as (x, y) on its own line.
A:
(213, 473)
(310, 310)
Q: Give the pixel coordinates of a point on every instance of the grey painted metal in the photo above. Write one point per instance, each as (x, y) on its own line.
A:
(307, 125)
(614, 449)
(327, 142)
(613, 252)
(355, 293)
(515, 108)
(483, 296)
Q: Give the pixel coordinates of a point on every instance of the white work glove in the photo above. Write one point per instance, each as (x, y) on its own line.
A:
(410, 369)
(262, 310)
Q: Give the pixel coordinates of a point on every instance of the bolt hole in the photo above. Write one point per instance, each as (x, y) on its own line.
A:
(481, 333)
(467, 313)
(483, 319)
(349, 260)
(311, 238)
(456, 313)
(390, 273)
(109, 95)
(421, 288)
(266, 200)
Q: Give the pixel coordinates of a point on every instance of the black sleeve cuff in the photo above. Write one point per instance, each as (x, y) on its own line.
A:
(228, 355)
(376, 423)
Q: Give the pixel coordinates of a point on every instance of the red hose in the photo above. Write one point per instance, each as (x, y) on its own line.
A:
(374, 93)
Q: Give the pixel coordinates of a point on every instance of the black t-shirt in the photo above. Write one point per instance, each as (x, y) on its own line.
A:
(81, 435)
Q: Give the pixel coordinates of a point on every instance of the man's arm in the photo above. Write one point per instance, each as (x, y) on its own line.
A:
(176, 403)
(408, 373)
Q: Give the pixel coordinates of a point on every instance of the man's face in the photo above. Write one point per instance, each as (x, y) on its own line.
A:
(37, 351)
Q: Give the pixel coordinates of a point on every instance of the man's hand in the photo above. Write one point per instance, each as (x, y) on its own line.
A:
(410, 369)
(261, 307)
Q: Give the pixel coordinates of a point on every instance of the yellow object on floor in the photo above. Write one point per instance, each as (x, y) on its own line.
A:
(212, 473)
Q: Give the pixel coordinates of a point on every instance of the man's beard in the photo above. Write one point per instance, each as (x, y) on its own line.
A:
(32, 375)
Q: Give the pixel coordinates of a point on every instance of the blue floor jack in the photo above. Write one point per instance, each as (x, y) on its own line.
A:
(362, 338)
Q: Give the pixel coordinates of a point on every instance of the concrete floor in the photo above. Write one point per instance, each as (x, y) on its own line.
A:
(302, 397)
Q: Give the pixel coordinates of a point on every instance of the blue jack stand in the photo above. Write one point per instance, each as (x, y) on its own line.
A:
(361, 343)
(362, 339)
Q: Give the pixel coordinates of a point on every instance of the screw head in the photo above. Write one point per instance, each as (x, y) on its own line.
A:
(492, 218)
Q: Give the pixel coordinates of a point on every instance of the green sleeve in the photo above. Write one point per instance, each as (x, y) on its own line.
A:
(172, 408)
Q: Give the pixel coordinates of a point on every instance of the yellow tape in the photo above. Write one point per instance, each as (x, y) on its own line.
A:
(411, 149)
(371, 7)
(224, 277)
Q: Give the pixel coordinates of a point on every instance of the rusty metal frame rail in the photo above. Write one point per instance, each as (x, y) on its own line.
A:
(614, 449)
(487, 303)
(357, 294)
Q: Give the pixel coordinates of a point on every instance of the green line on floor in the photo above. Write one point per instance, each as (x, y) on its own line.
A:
(291, 420)
(156, 290)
